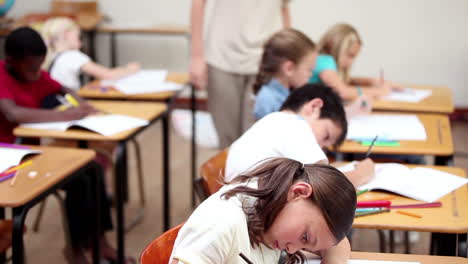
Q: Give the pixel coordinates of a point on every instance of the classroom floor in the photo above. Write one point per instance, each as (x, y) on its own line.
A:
(46, 245)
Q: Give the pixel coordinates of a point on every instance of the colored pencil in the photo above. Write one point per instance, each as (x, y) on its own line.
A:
(408, 214)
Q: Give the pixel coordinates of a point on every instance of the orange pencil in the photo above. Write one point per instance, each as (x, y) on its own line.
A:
(408, 214)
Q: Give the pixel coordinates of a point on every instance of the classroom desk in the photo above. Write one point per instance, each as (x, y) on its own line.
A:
(92, 91)
(451, 218)
(149, 111)
(63, 164)
(423, 259)
(113, 30)
(440, 101)
(438, 143)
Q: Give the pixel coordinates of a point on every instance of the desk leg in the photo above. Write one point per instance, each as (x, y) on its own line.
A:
(92, 44)
(113, 49)
(96, 174)
(443, 244)
(193, 106)
(19, 215)
(120, 173)
(166, 173)
(392, 241)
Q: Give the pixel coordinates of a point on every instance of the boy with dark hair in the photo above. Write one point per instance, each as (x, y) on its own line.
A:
(23, 87)
(311, 118)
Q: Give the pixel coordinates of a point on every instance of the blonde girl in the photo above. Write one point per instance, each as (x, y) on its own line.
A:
(281, 205)
(65, 61)
(338, 49)
(287, 63)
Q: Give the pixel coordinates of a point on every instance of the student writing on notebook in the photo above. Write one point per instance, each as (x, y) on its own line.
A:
(282, 204)
(22, 88)
(65, 61)
(287, 62)
(311, 118)
(338, 48)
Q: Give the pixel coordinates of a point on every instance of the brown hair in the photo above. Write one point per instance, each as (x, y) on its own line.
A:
(333, 194)
(337, 40)
(287, 44)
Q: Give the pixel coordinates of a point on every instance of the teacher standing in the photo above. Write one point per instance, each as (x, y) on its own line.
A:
(226, 57)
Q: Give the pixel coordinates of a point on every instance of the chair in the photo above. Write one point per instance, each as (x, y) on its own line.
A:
(159, 251)
(212, 174)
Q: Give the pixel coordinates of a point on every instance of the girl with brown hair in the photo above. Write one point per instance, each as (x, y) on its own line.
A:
(287, 63)
(281, 204)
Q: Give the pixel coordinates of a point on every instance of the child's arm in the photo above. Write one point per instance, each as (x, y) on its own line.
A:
(18, 114)
(348, 92)
(337, 254)
(103, 73)
(198, 68)
(364, 172)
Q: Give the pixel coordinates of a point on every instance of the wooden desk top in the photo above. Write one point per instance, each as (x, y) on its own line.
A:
(157, 29)
(439, 140)
(440, 101)
(424, 259)
(452, 217)
(144, 110)
(92, 90)
(58, 162)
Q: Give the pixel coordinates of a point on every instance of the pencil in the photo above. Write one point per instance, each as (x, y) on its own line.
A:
(371, 213)
(20, 166)
(361, 192)
(369, 150)
(245, 258)
(408, 214)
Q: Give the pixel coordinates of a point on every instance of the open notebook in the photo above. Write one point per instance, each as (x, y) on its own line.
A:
(360, 261)
(12, 156)
(144, 81)
(387, 127)
(106, 125)
(419, 183)
(408, 95)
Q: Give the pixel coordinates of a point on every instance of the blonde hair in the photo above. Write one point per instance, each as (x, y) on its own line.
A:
(336, 41)
(287, 44)
(52, 32)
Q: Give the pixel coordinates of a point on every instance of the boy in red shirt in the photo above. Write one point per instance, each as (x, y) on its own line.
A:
(23, 86)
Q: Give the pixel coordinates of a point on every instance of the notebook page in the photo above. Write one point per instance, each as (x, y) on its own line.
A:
(360, 261)
(387, 127)
(108, 125)
(59, 126)
(144, 81)
(408, 95)
(12, 156)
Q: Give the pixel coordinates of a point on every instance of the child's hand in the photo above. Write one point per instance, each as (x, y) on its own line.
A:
(396, 87)
(133, 67)
(198, 73)
(75, 113)
(366, 170)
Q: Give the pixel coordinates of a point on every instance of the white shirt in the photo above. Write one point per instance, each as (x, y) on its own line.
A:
(278, 134)
(237, 30)
(216, 233)
(67, 66)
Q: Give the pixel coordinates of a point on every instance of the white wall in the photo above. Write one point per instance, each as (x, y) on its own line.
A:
(416, 41)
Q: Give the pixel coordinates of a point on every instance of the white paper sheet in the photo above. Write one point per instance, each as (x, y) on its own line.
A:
(106, 125)
(145, 81)
(12, 156)
(419, 183)
(408, 95)
(387, 127)
(360, 261)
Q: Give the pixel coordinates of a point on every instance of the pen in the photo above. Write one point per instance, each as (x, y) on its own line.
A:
(373, 204)
(371, 213)
(245, 258)
(72, 100)
(361, 192)
(370, 147)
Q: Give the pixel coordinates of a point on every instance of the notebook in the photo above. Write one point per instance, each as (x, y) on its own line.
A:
(106, 125)
(360, 261)
(12, 156)
(420, 183)
(408, 95)
(144, 81)
(387, 127)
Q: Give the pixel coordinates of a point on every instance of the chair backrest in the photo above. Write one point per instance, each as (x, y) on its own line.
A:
(159, 251)
(212, 174)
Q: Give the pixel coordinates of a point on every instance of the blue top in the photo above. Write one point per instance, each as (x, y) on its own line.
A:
(270, 98)
(324, 62)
